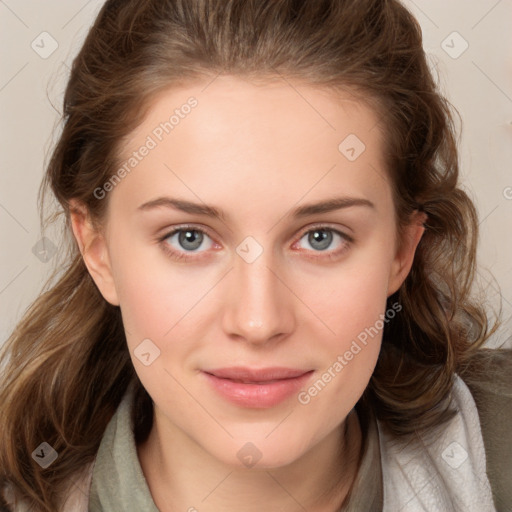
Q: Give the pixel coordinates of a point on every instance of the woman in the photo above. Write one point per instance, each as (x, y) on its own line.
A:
(267, 303)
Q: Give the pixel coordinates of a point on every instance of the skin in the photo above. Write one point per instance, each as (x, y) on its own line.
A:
(256, 152)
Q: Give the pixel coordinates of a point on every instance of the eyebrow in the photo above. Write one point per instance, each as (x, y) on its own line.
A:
(328, 205)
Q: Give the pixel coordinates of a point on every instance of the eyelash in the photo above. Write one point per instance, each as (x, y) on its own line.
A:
(329, 255)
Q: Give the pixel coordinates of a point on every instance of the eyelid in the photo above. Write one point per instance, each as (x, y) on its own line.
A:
(184, 227)
(327, 227)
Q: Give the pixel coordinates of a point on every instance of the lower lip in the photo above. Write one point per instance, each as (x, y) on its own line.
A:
(258, 396)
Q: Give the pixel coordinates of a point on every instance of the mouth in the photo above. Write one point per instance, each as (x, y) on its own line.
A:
(257, 388)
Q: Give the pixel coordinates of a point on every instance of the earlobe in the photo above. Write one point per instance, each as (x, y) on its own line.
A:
(405, 254)
(93, 247)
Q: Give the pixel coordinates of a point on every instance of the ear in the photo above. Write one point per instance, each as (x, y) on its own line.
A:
(93, 247)
(404, 256)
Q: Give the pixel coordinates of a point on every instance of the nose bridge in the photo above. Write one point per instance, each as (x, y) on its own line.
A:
(258, 308)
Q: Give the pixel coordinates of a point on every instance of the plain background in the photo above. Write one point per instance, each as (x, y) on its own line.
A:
(469, 47)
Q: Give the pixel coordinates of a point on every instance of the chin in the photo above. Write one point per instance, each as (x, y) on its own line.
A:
(259, 454)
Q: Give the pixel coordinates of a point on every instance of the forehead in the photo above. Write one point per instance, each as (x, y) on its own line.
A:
(277, 106)
(277, 140)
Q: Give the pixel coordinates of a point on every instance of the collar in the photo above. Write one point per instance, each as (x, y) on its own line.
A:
(118, 482)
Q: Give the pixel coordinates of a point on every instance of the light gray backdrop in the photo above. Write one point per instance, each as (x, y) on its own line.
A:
(468, 42)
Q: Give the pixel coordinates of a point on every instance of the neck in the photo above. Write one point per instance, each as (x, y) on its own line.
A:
(182, 476)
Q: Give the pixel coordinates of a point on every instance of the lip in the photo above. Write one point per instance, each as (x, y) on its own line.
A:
(256, 388)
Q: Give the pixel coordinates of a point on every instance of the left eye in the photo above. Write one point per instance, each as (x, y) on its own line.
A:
(320, 239)
(188, 239)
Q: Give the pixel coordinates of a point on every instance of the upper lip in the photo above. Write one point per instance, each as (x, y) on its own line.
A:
(245, 374)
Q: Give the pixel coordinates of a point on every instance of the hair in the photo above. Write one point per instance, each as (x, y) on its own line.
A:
(68, 354)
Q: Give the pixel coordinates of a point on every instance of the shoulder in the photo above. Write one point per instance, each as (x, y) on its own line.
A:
(489, 378)
(76, 499)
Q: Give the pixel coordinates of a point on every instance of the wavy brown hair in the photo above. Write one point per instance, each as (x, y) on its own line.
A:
(67, 365)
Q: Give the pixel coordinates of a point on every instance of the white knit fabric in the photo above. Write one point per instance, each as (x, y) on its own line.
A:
(443, 471)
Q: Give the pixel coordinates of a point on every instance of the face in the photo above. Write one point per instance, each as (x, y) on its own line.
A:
(251, 248)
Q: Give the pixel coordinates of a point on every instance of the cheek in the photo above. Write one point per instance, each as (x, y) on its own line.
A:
(350, 296)
(146, 301)
(348, 358)
(351, 301)
(162, 303)
(154, 292)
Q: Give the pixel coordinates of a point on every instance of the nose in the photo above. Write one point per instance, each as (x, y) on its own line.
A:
(259, 308)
